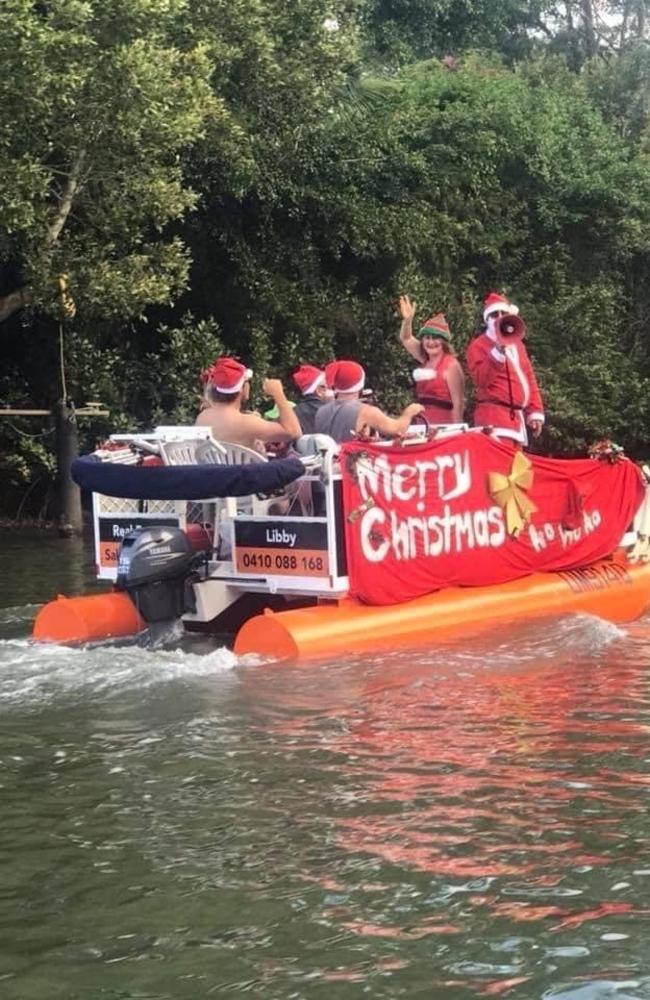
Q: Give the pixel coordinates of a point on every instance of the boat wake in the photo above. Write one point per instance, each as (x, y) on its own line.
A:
(574, 635)
(32, 675)
(20, 614)
(512, 646)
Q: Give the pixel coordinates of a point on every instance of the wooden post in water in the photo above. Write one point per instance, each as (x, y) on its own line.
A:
(69, 517)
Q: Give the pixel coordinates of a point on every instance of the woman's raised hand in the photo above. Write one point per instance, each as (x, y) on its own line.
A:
(406, 308)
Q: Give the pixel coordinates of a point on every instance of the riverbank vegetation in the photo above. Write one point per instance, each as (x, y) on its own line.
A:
(266, 177)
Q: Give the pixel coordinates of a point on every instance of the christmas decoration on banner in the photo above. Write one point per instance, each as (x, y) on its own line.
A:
(470, 511)
(508, 492)
(606, 451)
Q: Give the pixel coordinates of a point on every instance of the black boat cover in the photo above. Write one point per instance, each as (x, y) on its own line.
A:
(184, 482)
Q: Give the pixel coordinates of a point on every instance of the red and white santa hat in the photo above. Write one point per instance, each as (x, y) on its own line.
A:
(307, 378)
(495, 302)
(345, 376)
(227, 375)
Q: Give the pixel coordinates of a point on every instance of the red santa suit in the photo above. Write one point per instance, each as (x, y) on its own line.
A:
(507, 393)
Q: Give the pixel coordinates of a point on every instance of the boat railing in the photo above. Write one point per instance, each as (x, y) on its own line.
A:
(113, 516)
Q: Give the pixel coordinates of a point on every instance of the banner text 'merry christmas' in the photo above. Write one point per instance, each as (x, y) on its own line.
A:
(421, 482)
(442, 530)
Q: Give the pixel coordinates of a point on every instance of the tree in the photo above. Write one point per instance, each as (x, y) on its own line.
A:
(98, 101)
(402, 31)
(446, 183)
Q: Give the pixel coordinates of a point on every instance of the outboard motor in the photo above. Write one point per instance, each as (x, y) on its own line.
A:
(156, 569)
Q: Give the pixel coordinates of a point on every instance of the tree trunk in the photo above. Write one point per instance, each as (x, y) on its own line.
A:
(68, 497)
(627, 10)
(591, 43)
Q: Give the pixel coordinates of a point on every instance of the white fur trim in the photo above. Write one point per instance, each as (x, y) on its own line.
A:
(320, 378)
(514, 435)
(424, 374)
(513, 354)
(535, 416)
(507, 307)
(231, 390)
(353, 388)
(498, 355)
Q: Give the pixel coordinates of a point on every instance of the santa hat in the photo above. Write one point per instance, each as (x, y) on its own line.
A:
(227, 375)
(345, 376)
(435, 326)
(307, 378)
(495, 302)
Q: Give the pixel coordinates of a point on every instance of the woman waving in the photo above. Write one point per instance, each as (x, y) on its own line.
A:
(439, 379)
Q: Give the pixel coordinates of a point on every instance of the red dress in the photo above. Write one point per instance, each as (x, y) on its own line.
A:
(507, 393)
(432, 391)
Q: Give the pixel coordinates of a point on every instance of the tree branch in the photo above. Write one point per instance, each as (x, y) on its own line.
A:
(11, 303)
(539, 24)
(15, 300)
(70, 189)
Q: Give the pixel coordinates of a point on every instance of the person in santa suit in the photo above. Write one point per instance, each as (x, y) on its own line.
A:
(507, 394)
(439, 379)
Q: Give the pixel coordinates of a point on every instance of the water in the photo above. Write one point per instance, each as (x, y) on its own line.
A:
(467, 821)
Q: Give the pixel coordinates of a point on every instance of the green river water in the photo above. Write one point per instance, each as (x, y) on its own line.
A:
(462, 821)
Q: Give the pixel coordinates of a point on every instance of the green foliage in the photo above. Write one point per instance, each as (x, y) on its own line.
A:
(97, 102)
(445, 184)
(400, 31)
(140, 386)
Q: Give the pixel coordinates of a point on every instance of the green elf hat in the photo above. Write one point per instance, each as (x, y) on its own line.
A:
(435, 326)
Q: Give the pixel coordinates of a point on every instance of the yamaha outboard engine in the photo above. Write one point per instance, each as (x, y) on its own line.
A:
(156, 568)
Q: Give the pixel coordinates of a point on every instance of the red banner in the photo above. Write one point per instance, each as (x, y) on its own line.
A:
(471, 511)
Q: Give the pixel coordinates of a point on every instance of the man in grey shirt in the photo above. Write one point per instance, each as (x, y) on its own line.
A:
(310, 382)
(347, 415)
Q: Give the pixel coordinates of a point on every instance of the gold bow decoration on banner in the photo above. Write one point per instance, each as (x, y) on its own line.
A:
(66, 302)
(508, 493)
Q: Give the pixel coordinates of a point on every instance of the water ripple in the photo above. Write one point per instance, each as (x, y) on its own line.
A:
(468, 820)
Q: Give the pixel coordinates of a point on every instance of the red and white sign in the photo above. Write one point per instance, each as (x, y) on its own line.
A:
(424, 517)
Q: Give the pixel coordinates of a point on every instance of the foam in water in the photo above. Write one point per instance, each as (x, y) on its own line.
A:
(513, 645)
(31, 674)
(18, 614)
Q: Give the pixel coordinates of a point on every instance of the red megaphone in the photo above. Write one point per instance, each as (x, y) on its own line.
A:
(511, 327)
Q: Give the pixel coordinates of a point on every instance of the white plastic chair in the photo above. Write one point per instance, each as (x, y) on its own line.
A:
(297, 494)
(199, 452)
(239, 454)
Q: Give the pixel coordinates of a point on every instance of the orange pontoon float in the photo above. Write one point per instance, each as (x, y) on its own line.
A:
(89, 618)
(228, 541)
(611, 590)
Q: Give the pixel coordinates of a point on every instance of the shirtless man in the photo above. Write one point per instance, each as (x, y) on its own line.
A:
(348, 415)
(227, 388)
